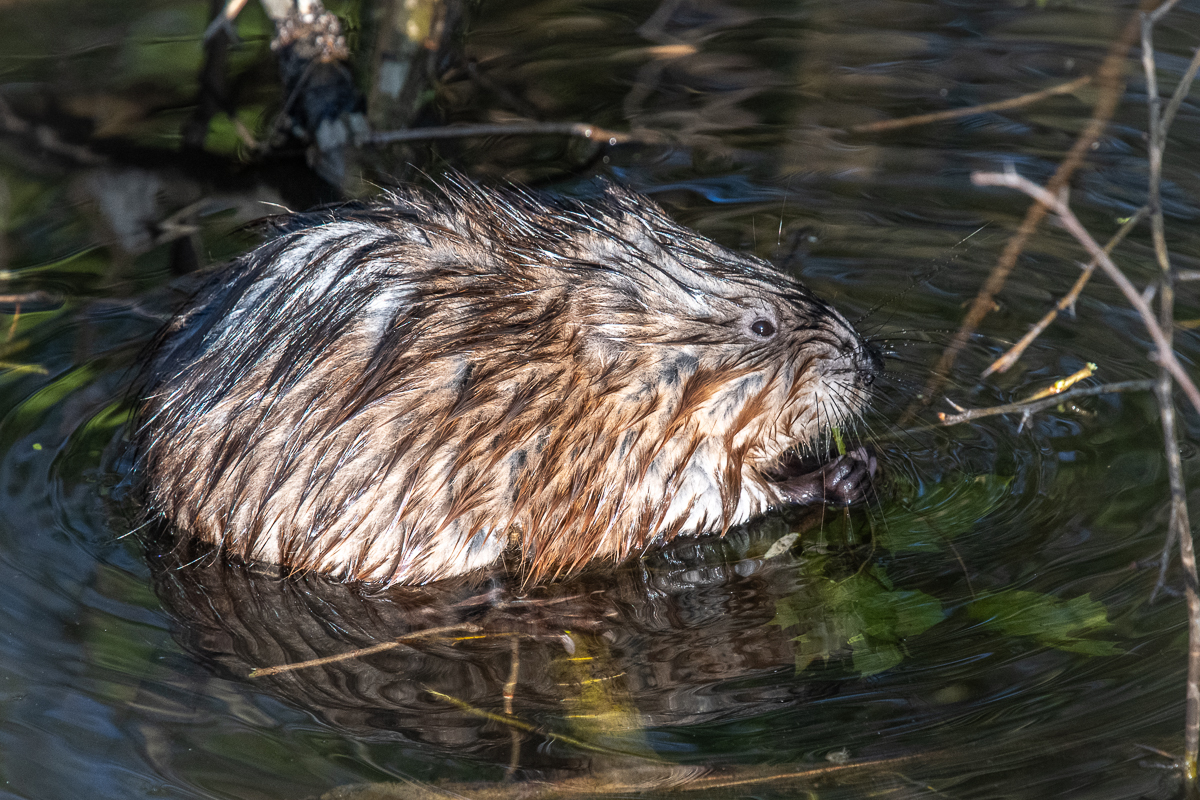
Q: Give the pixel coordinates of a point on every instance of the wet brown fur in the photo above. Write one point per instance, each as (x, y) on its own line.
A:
(389, 393)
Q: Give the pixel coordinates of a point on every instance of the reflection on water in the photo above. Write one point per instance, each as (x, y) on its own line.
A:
(981, 629)
(679, 640)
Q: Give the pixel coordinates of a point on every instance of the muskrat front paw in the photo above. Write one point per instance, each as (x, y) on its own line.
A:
(841, 482)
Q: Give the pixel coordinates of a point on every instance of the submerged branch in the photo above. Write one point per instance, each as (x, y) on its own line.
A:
(519, 724)
(401, 641)
(581, 129)
(956, 113)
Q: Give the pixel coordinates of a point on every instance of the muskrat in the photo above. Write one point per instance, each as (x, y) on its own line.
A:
(410, 389)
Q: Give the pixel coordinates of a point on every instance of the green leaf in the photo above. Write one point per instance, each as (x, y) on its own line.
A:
(861, 616)
(1048, 620)
(869, 661)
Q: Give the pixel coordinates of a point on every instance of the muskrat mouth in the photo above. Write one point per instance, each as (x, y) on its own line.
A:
(794, 463)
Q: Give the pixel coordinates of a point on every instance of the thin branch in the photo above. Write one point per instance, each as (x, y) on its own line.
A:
(1154, 156)
(510, 691)
(45, 138)
(1166, 357)
(956, 113)
(1110, 80)
(1154, 16)
(1006, 361)
(401, 641)
(34, 297)
(1179, 527)
(223, 21)
(580, 129)
(1033, 406)
(515, 722)
(213, 91)
(1181, 91)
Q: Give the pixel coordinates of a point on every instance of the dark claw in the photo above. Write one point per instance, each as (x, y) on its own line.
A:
(841, 482)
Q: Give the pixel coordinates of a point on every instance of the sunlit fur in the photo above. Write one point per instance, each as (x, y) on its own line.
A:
(399, 392)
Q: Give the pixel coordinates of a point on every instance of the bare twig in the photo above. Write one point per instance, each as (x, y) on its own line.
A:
(1154, 156)
(413, 39)
(223, 21)
(956, 113)
(1166, 357)
(580, 129)
(12, 327)
(1111, 83)
(1154, 16)
(1185, 85)
(36, 297)
(510, 691)
(1179, 528)
(45, 138)
(362, 651)
(1015, 352)
(1033, 406)
(213, 94)
(519, 724)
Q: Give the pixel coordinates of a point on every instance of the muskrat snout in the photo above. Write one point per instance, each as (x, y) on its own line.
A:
(870, 363)
(402, 391)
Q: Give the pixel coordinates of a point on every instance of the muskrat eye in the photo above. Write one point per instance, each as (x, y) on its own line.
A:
(763, 328)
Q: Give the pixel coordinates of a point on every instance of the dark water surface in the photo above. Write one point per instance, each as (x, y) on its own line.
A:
(982, 630)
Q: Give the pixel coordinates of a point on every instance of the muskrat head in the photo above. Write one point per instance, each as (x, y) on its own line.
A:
(403, 391)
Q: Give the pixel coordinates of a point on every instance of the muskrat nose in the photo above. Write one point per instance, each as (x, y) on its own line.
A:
(870, 363)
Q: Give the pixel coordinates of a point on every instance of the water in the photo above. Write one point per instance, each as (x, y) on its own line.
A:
(983, 630)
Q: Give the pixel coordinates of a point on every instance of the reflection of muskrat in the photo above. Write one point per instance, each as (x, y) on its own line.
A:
(683, 642)
(400, 392)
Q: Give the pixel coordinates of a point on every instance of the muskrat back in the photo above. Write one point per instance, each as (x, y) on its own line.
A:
(399, 392)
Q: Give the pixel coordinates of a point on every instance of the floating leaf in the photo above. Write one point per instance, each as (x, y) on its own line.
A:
(861, 616)
(869, 661)
(1047, 619)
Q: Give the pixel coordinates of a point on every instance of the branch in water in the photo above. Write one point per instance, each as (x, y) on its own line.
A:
(580, 129)
(999, 105)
